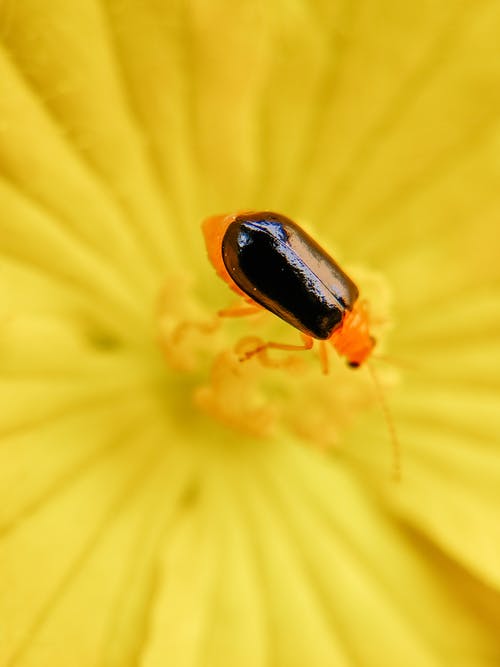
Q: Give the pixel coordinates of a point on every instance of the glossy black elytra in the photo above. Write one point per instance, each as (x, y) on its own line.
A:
(277, 264)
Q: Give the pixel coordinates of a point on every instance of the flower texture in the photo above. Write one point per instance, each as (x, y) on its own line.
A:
(161, 502)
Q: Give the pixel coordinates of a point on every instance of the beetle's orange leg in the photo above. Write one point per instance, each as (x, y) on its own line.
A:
(323, 357)
(261, 349)
(239, 311)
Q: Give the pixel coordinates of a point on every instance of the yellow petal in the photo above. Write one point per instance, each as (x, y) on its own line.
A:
(133, 527)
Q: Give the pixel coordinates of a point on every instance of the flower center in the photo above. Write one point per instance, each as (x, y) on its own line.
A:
(277, 390)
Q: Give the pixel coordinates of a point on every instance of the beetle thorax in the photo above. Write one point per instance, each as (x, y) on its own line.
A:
(352, 339)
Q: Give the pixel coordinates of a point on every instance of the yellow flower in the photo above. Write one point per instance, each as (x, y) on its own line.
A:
(153, 509)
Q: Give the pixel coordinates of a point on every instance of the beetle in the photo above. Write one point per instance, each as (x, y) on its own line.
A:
(272, 263)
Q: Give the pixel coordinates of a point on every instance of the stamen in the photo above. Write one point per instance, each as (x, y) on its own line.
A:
(183, 328)
(259, 387)
(232, 397)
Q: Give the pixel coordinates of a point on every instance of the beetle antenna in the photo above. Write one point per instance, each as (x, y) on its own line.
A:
(395, 361)
(396, 450)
